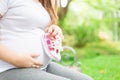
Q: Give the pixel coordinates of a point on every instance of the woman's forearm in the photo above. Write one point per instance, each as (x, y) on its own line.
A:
(24, 60)
(6, 54)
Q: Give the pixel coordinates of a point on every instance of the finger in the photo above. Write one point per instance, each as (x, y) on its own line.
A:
(34, 66)
(55, 32)
(50, 29)
(38, 63)
(34, 55)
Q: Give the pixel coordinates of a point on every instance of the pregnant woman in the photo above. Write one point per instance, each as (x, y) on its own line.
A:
(22, 55)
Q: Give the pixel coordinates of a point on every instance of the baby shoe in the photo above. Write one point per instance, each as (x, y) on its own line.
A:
(53, 46)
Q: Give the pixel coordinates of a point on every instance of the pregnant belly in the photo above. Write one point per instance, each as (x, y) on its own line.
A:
(27, 44)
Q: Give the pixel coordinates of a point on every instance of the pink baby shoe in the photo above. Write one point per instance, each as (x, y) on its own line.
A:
(53, 46)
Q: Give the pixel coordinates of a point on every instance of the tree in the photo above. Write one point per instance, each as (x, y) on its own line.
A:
(63, 11)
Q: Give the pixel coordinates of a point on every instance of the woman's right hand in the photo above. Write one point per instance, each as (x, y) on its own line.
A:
(26, 61)
(19, 60)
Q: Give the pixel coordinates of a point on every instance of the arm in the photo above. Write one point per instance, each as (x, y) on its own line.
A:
(6, 54)
(11, 57)
(18, 60)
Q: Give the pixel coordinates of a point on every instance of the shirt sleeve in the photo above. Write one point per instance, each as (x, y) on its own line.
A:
(3, 7)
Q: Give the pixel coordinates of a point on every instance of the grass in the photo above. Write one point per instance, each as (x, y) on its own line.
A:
(92, 50)
(102, 67)
(100, 60)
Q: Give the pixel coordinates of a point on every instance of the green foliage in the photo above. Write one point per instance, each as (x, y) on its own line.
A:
(105, 5)
(92, 50)
(83, 32)
(81, 27)
(86, 18)
(84, 35)
(108, 8)
(102, 67)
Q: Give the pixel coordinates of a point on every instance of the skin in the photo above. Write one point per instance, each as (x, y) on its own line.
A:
(26, 60)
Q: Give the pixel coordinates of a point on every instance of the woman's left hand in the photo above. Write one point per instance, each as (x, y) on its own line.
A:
(54, 30)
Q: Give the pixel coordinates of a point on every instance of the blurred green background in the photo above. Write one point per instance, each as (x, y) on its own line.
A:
(92, 28)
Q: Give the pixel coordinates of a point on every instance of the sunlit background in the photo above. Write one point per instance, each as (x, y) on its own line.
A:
(92, 31)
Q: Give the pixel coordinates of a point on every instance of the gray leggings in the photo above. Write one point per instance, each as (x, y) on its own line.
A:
(54, 71)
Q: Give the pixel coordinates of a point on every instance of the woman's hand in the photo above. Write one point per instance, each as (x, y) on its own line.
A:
(25, 61)
(54, 30)
(19, 60)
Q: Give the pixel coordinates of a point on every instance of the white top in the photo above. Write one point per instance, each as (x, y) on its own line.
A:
(22, 27)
